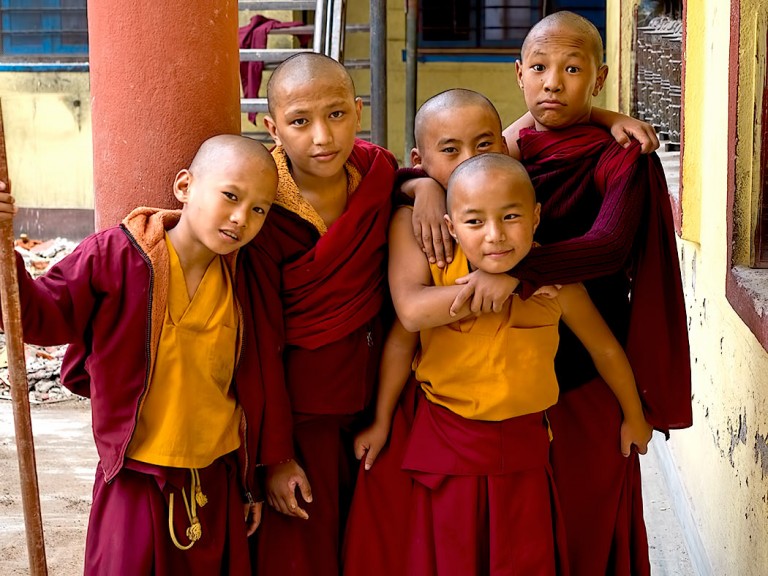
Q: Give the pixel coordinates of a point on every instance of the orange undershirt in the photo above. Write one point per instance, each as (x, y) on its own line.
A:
(495, 366)
(190, 416)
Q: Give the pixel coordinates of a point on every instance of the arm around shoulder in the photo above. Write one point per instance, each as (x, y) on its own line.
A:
(419, 304)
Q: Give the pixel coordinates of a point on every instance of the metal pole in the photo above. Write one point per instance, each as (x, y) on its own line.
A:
(17, 372)
(378, 19)
(411, 41)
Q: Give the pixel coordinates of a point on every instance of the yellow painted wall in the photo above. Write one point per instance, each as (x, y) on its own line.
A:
(723, 459)
(49, 136)
(47, 117)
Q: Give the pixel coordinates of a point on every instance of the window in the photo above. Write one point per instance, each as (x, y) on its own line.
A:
(761, 230)
(747, 199)
(39, 29)
(493, 24)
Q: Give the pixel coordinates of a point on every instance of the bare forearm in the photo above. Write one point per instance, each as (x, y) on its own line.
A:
(429, 307)
(617, 373)
(603, 117)
(396, 360)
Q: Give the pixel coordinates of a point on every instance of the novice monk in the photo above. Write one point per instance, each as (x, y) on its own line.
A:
(449, 128)
(319, 266)
(606, 221)
(478, 449)
(157, 306)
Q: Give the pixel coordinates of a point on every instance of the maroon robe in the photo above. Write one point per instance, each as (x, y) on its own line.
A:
(381, 505)
(606, 221)
(483, 499)
(131, 513)
(319, 300)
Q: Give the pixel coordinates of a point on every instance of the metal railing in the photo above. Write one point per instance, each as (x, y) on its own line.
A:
(658, 94)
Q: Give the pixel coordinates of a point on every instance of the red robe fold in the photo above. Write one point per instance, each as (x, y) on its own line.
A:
(340, 282)
(483, 499)
(606, 218)
(318, 306)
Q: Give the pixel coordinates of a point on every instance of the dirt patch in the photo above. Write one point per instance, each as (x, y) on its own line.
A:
(66, 463)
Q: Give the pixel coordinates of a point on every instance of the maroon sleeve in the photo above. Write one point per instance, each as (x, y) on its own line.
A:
(605, 248)
(262, 272)
(56, 308)
(402, 176)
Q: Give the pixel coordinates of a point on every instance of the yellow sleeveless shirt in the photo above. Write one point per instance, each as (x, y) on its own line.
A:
(494, 366)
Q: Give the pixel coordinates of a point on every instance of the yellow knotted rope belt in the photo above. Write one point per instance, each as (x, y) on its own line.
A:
(195, 530)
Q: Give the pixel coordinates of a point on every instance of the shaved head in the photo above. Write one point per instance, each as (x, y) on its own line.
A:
(217, 150)
(571, 22)
(301, 69)
(449, 99)
(485, 163)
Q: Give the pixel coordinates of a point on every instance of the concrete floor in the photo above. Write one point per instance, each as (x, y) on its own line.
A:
(65, 460)
(668, 553)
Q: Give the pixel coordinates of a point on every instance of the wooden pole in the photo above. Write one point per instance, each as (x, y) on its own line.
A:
(17, 372)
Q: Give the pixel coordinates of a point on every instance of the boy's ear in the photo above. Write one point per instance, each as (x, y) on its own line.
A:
(602, 73)
(181, 185)
(519, 73)
(271, 127)
(536, 216)
(359, 112)
(415, 158)
(449, 224)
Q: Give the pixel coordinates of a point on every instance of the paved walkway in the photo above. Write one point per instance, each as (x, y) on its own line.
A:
(669, 556)
(65, 460)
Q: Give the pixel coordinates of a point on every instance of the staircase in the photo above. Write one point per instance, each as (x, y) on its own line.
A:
(325, 21)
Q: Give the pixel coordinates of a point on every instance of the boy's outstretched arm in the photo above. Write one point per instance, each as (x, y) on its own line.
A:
(581, 316)
(395, 370)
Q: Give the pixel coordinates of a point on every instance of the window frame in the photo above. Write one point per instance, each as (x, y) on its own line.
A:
(743, 282)
(50, 44)
(476, 44)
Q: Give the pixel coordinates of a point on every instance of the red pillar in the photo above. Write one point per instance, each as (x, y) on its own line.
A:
(164, 77)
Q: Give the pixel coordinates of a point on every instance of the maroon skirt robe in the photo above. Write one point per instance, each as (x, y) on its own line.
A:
(128, 532)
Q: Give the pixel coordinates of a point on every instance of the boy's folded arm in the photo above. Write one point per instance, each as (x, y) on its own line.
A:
(418, 303)
(623, 128)
(584, 320)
